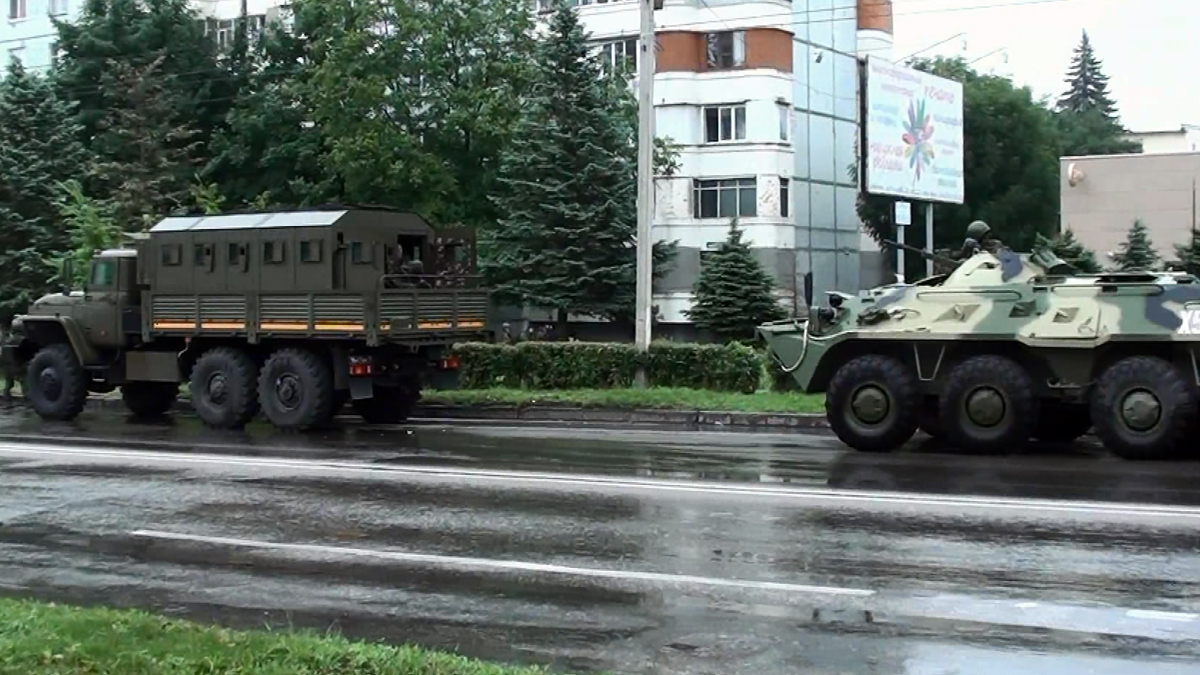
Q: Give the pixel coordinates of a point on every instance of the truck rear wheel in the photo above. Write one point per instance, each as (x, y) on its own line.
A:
(295, 390)
(389, 405)
(223, 388)
(1145, 408)
(873, 403)
(149, 399)
(988, 405)
(56, 383)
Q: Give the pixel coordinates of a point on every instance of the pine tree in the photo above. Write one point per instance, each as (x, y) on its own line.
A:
(565, 240)
(1137, 253)
(147, 153)
(733, 293)
(1071, 250)
(39, 146)
(1189, 253)
(1087, 84)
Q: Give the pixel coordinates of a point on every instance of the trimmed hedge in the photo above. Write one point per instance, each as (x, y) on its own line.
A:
(608, 365)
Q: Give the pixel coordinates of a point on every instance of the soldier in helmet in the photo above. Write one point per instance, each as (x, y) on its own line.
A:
(979, 238)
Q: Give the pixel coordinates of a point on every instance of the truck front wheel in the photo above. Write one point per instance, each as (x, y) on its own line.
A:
(296, 391)
(222, 385)
(148, 400)
(56, 383)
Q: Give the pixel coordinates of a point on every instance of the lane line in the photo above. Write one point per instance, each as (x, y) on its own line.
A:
(1157, 615)
(539, 478)
(480, 564)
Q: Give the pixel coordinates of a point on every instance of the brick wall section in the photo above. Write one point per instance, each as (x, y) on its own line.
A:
(875, 15)
(685, 51)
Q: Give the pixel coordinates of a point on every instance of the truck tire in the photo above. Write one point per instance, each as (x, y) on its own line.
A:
(988, 405)
(389, 405)
(1144, 408)
(56, 384)
(149, 400)
(295, 390)
(223, 388)
(873, 403)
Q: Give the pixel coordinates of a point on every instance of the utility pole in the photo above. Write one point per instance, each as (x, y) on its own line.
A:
(645, 191)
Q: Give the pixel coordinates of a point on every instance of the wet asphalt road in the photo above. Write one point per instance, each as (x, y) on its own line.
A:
(620, 551)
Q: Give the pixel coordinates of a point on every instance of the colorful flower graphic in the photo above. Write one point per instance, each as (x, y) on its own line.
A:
(918, 130)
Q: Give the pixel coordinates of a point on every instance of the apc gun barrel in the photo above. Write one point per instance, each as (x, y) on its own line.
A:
(920, 251)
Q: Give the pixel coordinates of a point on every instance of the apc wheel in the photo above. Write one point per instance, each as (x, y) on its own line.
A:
(389, 405)
(222, 386)
(56, 383)
(1144, 408)
(873, 404)
(988, 405)
(295, 390)
(1062, 423)
(149, 399)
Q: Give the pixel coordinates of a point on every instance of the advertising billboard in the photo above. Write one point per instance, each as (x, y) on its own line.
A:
(914, 134)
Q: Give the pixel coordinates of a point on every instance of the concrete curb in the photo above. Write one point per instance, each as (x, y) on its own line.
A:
(561, 415)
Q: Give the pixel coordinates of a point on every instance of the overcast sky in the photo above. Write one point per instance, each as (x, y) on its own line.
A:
(1149, 48)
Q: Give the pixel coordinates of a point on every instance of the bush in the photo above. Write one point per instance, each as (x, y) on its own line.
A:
(607, 365)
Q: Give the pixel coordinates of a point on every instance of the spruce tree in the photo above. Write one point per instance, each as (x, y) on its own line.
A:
(1189, 253)
(733, 293)
(39, 146)
(1137, 253)
(1071, 250)
(567, 189)
(1087, 84)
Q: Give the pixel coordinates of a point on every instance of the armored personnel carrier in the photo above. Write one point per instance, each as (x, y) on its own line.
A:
(1003, 348)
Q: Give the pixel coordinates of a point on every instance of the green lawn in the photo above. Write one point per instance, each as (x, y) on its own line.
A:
(45, 639)
(688, 399)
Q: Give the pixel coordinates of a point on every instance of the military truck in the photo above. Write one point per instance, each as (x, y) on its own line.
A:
(291, 313)
(1004, 348)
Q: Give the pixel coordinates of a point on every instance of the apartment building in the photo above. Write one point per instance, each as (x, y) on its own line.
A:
(27, 33)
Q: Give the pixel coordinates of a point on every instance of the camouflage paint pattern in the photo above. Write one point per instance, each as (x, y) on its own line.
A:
(998, 301)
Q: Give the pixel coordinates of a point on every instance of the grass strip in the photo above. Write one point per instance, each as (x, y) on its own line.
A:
(663, 398)
(48, 639)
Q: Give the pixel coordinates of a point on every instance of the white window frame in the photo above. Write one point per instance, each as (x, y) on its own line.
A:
(58, 7)
(18, 9)
(785, 122)
(615, 52)
(730, 120)
(733, 193)
(715, 50)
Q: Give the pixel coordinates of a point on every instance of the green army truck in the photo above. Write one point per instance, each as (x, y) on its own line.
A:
(288, 313)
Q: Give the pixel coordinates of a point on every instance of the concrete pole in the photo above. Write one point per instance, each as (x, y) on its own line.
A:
(645, 192)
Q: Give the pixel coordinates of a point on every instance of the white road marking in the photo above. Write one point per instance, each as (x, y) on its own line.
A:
(326, 467)
(510, 565)
(1161, 616)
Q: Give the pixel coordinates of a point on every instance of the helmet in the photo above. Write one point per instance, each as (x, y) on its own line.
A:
(978, 230)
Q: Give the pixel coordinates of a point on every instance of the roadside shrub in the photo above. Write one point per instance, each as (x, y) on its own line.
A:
(607, 365)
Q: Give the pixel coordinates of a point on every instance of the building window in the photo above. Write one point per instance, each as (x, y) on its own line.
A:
(58, 7)
(17, 9)
(620, 55)
(53, 54)
(310, 251)
(729, 198)
(16, 55)
(724, 123)
(726, 50)
(785, 121)
(785, 204)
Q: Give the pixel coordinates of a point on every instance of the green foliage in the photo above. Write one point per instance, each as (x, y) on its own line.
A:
(1137, 252)
(567, 188)
(1086, 113)
(1012, 186)
(1071, 250)
(733, 294)
(43, 639)
(206, 197)
(603, 365)
(1189, 253)
(90, 224)
(147, 151)
(39, 146)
